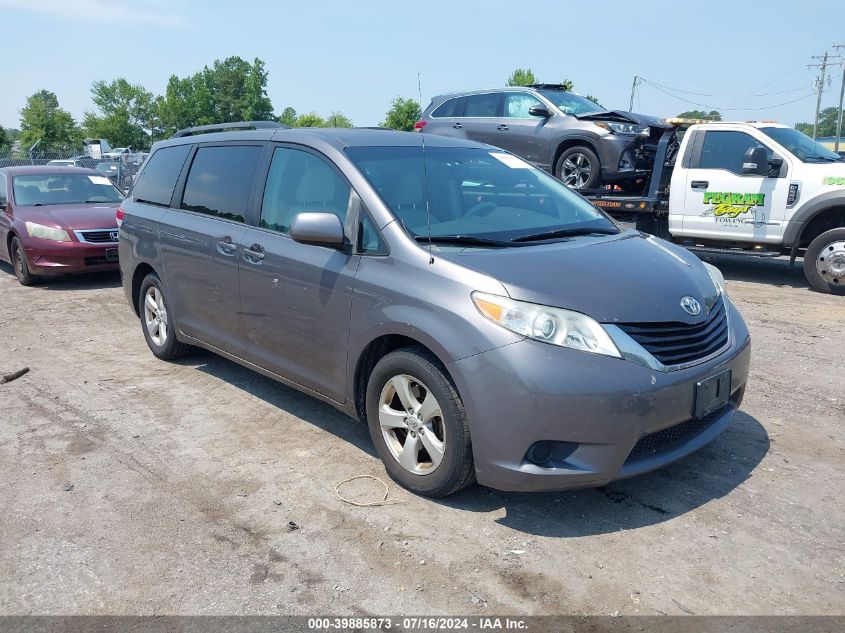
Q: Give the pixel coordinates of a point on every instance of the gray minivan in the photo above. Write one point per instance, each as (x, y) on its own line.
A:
(485, 321)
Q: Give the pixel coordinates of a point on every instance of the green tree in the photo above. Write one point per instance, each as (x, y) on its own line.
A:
(43, 120)
(402, 115)
(310, 119)
(126, 112)
(594, 100)
(4, 139)
(827, 123)
(521, 77)
(338, 119)
(713, 115)
(288, 116)
(568, 85)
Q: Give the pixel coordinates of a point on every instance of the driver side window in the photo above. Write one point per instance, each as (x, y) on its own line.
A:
(517, 105)
(4, 199)
(726, 150)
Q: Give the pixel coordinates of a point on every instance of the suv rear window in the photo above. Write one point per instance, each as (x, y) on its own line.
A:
(450, 107)
(220, 179)
(157, 180)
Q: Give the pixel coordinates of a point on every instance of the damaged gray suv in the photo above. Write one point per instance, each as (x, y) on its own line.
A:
(485, 321)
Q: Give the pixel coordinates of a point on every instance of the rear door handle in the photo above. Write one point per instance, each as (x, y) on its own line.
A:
(503, 127)
(457, 125)
(225, 246)
(254, 254)
(699, 184)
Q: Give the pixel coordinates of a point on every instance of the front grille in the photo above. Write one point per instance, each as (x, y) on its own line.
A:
(98, 237)
(675, 343)
(666, 439)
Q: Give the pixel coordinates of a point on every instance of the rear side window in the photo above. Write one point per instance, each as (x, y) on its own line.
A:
(155, 184)
(220, 179)
(483, 105)
(300, 181)
(450, 108)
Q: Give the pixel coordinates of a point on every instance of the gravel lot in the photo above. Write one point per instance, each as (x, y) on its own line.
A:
(185, 477)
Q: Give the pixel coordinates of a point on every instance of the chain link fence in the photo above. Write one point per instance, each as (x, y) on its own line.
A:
(120, 169)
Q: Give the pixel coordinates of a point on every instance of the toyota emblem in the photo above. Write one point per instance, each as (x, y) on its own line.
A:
(690, 305)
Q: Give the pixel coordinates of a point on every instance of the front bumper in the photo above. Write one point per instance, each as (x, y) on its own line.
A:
(603, 407)
(50, 259)
(624, 157)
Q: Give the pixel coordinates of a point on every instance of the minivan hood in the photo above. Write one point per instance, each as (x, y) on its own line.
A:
(624, 117)
(625, 278)
(75, 217)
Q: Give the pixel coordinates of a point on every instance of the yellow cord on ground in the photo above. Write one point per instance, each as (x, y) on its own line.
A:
(366, 504)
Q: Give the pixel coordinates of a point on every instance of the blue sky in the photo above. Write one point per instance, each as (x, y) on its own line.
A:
(356, 56)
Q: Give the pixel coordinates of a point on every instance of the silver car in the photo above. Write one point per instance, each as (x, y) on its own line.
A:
(485, 321)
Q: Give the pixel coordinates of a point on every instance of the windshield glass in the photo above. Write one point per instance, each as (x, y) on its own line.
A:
(49, 189)
(569, 103)
(476, 193)
(801, 145)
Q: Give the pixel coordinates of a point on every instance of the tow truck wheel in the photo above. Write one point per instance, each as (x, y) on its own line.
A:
(824, 262)
(579, 168)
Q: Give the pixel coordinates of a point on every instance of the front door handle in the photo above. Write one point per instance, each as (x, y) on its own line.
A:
(457, 125)
(254, 254)
(225, 246)
(503, 127)
(699, 184)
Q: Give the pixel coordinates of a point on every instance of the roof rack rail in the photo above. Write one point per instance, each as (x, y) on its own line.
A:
(226, 127)
(548, 86)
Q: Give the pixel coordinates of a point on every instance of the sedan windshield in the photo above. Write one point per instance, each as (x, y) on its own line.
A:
(801, 145)
(50, 189)
(475, 197)
(570, 103)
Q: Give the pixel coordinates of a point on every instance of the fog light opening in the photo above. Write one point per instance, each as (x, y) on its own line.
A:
(549, 454)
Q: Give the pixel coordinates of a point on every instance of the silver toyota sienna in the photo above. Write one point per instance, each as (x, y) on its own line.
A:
(485, 321)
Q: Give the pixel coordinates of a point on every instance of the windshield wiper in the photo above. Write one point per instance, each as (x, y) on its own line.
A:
(548, 235)
(470, 240)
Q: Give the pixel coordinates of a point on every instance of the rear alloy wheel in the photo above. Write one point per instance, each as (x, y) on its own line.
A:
(418, 423)
(824, 262)
(157, 322)
(19, 263)
(579, 168)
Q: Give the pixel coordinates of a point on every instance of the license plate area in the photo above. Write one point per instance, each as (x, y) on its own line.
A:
(711, 394)
(111, 255)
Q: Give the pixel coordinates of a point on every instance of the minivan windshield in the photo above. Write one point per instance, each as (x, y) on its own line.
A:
(570, 103)
(60, 188)
(476, 197)
(802, 146)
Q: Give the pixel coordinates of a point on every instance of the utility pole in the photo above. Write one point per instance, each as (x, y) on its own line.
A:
(820, 84)
(841, 95)
(633, 89)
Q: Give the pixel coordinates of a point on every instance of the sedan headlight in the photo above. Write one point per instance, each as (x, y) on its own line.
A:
(549, 325)
(717, 277)
(624, 128)
(47, 232)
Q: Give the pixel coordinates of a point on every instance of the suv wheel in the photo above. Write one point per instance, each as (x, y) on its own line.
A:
(824, 262)
(19, 263)
(157, 322)
(579, 168)
(418, 424)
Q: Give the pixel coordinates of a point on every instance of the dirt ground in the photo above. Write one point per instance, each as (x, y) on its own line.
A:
(134, 486)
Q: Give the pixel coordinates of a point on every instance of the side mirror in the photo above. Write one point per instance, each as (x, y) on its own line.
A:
(755, 162)
(321, 229)
(775, 163)
(539, 110)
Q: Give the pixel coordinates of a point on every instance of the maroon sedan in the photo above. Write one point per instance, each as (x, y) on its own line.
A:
(57, 221)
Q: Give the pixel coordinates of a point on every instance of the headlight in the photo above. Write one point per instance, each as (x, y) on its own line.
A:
(549, 325)
(717, 277)
(624, 128)
(47, 232)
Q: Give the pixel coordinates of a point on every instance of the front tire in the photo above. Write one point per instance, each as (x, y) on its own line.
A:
(824, 262)
(18, 256)
(579, 168)
(157, 323)
(418, 424)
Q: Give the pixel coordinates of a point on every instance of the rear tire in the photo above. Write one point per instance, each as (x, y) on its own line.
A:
(579, 168)
(418, 424)
(824, 262)
(17, 255)
(157, 323)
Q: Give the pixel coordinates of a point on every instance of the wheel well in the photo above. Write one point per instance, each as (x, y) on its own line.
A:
(832, 218)
(9, 239)
(565, 145)
(372, 354)
(137, 279)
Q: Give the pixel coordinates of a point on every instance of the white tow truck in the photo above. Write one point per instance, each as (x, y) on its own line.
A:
(754, 188)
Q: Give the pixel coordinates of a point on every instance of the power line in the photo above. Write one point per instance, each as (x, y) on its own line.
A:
(707, 94)
(712, 107)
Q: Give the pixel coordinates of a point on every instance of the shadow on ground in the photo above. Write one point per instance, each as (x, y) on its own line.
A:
(711, 473)
(759, 269)
(85, 281)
